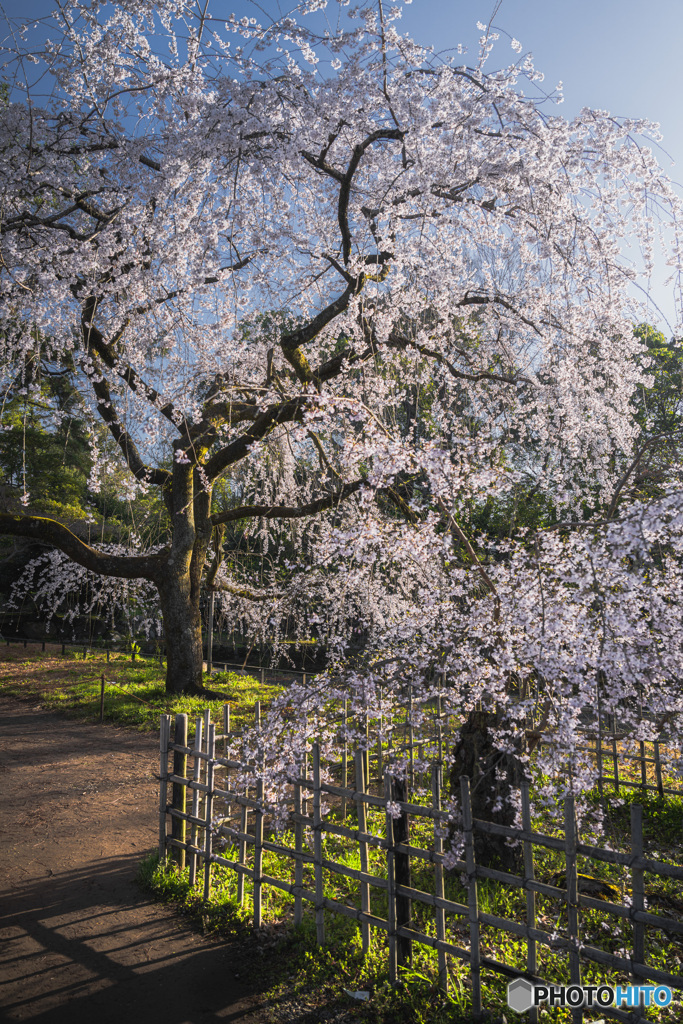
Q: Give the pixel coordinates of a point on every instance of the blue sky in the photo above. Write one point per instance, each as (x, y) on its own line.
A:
(624, 56)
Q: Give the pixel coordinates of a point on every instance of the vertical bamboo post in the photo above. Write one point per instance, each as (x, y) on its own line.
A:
(439, 913)
(258, 854)
(380, 727)
(402, 873)
(391, 884)
(615, 752)
(209, 634)
(359, 764)
(658, 769)
(304, 770)
(638, 899)
(345, 758)
(472, 896)
(318, 848)
(643, 767)
(531, 953)
(178, 825)
(102, 698)
(570, 840)
(226, 732)
(411, 738)
(439, 735)
(208, 808)
(298, 851)
(164, 736)
(598, 751)
(196, 777)
(242, 848)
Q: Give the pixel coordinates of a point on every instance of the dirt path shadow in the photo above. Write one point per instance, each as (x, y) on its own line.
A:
(79, 941)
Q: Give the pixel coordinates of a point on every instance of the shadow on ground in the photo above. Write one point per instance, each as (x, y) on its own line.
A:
(87, 945)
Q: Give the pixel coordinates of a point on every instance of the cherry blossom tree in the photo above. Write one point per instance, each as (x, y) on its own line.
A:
(325, 279)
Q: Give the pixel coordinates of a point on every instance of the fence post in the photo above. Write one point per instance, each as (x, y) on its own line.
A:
(318, 849)
(258, 854)
(531, 954)
(345, 758)
(226, 734)
(298, 860)
(411, 738)
(402, 874)
(615, 752)
(196, 777)
(102, 698)
(638, 898)
(179, 825)
(472, 895)
(164, 734)
(209, 634)
(439, 912)
(242, 847)
(208, 808)
(658, 769)
(391, 884)
(359, 764)
(570, 841)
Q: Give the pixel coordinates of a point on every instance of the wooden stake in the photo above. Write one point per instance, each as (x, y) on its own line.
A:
(391, 885)
(402, 873)
(638, 896)
(658, 769)
(209, 634)
(196, 776)
(298, 859)
(258, 854)
(318, 849)
(178, 825)
(439, 913)
(208, 809)
(531, 954)
(359, 763)
(164, 735)
(570, 841)
(242, 849)
(345, 759)
(102, 698)
(472, 896)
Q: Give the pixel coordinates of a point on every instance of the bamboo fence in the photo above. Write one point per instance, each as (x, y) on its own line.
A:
(221, 812)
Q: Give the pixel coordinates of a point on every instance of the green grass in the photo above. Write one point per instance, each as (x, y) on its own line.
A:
(135, 696)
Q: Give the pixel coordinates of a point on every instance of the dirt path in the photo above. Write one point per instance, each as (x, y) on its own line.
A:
(78, 939)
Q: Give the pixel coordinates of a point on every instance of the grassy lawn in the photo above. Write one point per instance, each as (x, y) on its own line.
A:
(134, 690)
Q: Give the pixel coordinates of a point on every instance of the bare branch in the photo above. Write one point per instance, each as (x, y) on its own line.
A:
(49, 531)
(288, 511)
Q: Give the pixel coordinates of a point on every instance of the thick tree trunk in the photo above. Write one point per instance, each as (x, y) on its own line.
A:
(183, 633)
(494, 776)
